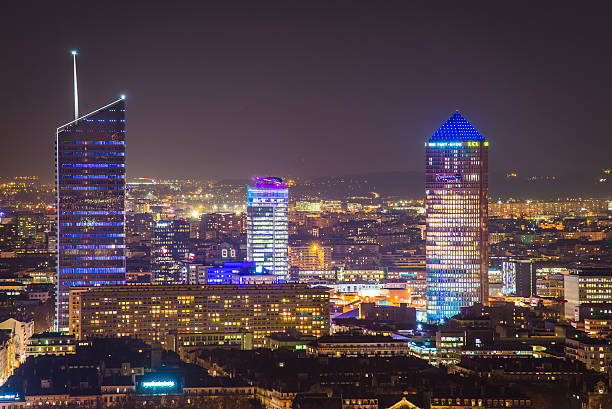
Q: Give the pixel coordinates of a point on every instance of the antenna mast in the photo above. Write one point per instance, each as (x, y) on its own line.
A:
(76, 90)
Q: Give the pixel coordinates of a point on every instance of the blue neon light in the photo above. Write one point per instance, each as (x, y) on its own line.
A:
(92, 270)
(158, 384)
(93, 165)
(92, 246)
(457, 128)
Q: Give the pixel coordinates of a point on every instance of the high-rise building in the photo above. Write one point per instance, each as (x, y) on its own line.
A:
(268, 225)
(90, 172)
(456, 203)
(170, 246)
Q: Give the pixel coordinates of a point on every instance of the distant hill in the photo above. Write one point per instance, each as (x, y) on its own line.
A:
(412, 185)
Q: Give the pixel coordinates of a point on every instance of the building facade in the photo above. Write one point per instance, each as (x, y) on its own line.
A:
(311, 257)
(150, 313)
(268, 225)
(169, 247)
(90, 172)
(586, 285)
(456, 204)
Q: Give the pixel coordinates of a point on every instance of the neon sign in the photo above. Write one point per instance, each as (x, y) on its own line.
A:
(158, 384)
(448, 178)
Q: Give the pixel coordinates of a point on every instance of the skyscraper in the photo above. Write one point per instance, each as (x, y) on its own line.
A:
(90, 182)
(170, 246)
(268, 225)
(456, 183)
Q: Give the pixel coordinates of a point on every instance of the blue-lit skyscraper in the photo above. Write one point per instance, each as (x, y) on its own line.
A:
(268, 225)
(90, 172)
(456, 203)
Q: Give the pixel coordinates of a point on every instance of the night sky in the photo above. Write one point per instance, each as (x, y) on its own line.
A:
(230, 90)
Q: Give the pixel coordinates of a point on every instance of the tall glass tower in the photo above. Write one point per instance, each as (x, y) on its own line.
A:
(170, 246)
(90, 183)
(456, 203)
(268, 225)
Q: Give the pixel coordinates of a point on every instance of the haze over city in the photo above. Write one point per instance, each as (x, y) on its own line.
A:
(235, 89)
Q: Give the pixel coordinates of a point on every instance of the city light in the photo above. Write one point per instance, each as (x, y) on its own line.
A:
(158, 384)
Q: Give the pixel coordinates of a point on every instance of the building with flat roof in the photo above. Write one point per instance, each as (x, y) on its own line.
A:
(586, 285)
(151, 312)
(268, 225)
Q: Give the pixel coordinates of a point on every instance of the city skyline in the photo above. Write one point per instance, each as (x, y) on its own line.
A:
(320, 93)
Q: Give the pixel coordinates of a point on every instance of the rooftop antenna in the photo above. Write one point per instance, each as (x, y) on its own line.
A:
(76, 90)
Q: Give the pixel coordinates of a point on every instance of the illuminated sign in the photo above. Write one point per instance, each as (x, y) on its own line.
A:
(448, 178)
(10, 397)
(158, 384)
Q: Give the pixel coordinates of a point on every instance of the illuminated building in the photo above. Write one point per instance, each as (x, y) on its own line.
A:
(549, 281)
(456, 218)
(596, 354)
(90, 172)
(51, 343)
(310, 207)
(358, 346)
(310, 257)
(170, 245)
(151, 313)
(193, 273)
(214, 225)
(376, 275)
(31, 229)
(587, 285)
(519, 278)
(268, 226)
(183, 343)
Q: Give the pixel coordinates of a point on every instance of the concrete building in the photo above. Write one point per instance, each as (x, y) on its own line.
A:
(150, 313)
(587, 285)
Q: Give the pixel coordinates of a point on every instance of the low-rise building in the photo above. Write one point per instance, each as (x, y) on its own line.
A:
(596, 354)
(51, 343)
(355, 345)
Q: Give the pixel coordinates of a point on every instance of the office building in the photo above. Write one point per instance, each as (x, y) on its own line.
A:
(456, 184)
(310, 257)
(151, 313)
(217, 225)
(268, 225)
(586, 285)
(169, 247)
(519, 278)
(90, 171)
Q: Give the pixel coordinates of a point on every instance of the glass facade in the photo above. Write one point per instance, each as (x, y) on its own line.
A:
(90, 183)
(170, 245)
(456, 203)
(268, 225)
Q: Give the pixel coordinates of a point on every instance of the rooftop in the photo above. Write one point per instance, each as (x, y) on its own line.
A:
(456, 128)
